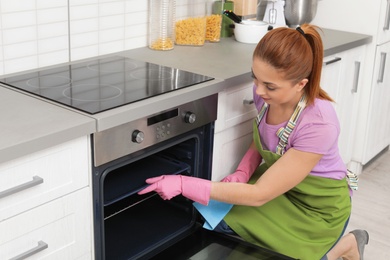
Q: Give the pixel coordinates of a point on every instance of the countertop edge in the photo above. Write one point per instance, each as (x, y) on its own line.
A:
(347, 46)
(44, 142)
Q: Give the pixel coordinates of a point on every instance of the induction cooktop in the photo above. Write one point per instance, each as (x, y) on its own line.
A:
(103, 83)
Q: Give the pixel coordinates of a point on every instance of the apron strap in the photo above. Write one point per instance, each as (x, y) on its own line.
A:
(261, 113)
(284, 132)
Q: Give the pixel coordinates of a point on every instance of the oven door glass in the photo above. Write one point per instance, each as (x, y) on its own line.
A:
(137, 224)
(208, 245)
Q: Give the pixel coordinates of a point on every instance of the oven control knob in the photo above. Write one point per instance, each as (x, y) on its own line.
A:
(189, 117)
(137, 136)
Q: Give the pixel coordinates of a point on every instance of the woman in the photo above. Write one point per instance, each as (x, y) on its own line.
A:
(297, 202)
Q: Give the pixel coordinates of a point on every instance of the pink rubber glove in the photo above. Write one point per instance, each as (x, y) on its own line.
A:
(169, 186)
(246, 168)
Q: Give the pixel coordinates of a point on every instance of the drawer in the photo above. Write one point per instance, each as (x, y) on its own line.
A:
(43, 176)
(235, 105)
(60, 229)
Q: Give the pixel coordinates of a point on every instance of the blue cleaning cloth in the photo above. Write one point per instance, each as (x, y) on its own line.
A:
(213, 213)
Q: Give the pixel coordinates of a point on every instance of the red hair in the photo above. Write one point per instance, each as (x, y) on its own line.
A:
(296, 55)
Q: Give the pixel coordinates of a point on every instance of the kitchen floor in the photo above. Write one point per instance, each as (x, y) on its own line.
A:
(371, 207)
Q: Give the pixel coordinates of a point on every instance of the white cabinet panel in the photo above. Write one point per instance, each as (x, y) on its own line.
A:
(377, 136)
(341, 79)
(233, 128)
(235, 105)
(62, 170)
(348, 98)
(384, 22)
(229, 148)
(330, 76)
(63, 224)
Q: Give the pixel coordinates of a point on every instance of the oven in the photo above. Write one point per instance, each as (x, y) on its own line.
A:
(176, 141)
(131, 226)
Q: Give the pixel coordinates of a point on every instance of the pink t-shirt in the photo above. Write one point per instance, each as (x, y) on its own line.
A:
(316, 131)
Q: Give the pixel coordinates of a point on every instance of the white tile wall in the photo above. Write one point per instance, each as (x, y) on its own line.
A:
(38, 33)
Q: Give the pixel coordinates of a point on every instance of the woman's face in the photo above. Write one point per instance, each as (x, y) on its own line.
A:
(272, 87)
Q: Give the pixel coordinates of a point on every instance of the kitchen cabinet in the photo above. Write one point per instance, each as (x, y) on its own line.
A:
(384, 22)
(45, 203)
(233, 128)
(373, 121)
(229, 147)
(341, 79)
(377, 136)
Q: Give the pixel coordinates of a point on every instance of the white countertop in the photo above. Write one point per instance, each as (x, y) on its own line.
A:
(29, 124)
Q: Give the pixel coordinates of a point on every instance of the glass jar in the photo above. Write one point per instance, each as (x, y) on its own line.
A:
(214, 11)
(161, 24)
(190, 25)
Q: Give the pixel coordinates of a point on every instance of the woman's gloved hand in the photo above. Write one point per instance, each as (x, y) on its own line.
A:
(246, 168)
(169, 186)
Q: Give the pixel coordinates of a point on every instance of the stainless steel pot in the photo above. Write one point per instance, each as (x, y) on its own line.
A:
(298, 12)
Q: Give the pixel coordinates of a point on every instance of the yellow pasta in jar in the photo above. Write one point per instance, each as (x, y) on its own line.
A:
(213, 28)
(190, 31)
(162, 44)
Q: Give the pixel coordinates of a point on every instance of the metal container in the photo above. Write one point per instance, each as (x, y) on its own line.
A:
(298, 12)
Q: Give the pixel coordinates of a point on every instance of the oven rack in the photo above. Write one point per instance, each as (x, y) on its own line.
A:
(130, 179)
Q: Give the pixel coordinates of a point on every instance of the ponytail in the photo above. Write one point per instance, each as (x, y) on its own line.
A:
(314, 89)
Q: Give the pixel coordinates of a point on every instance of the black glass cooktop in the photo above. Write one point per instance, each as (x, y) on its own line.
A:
(105, 83)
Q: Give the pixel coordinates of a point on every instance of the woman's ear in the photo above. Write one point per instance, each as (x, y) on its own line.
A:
(301, 84)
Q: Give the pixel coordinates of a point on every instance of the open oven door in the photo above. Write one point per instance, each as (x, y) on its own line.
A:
(209, 245)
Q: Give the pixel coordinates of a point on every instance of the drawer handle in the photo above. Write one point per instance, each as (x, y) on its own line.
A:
(387, 17)
(356, 77)
(35, 181)
(248, 102)
(41, 246)
(382, 67)
(332, 61)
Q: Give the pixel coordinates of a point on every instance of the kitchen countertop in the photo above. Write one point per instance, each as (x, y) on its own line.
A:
(29, 124)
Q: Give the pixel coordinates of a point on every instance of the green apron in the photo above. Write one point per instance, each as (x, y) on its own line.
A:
(303, 223)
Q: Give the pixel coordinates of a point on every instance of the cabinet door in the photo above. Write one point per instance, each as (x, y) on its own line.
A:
(377, 137)
(35, 179)
(384, 22)
(330, 78)
(229, 148)
(348, 97)
(59, 229)
(341, 80)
